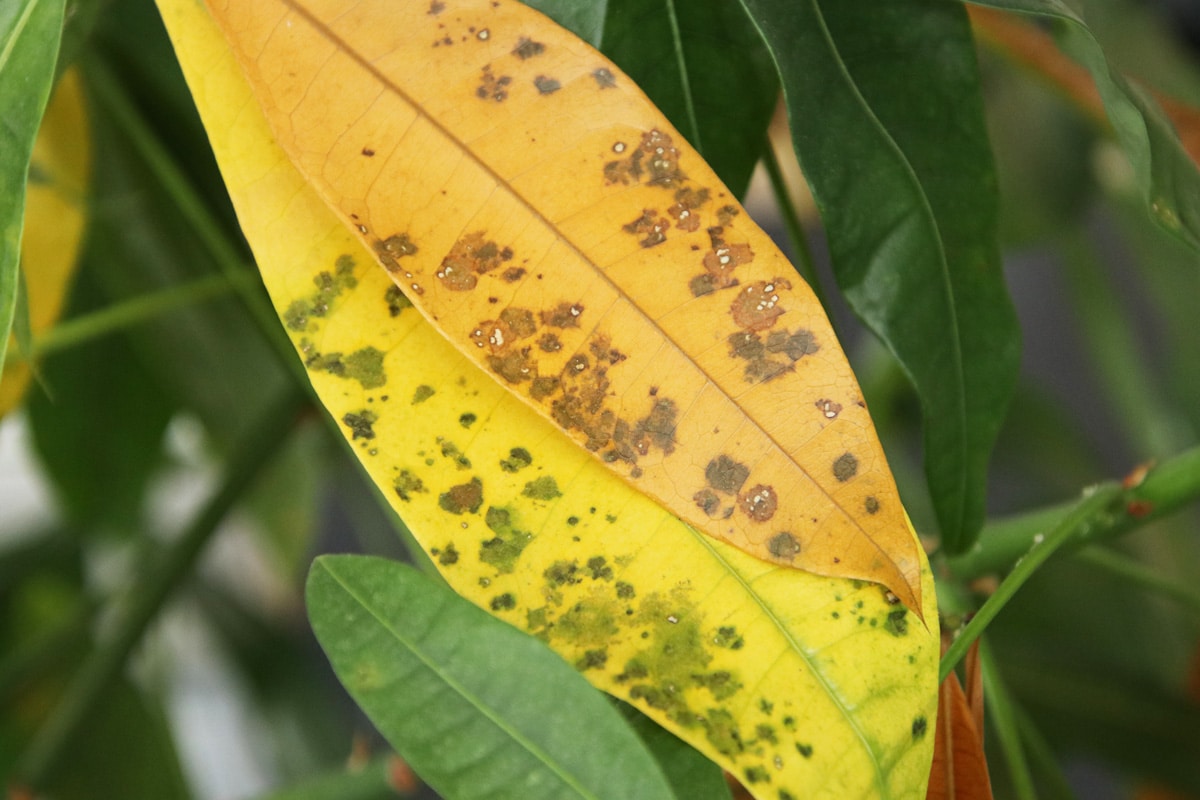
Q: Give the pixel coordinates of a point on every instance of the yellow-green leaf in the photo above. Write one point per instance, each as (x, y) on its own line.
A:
(55, 214)
(797, 683)
(542, 213)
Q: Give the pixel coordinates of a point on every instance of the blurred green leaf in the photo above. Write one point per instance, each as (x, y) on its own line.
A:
(1167, 176)
(703, 64)
(909, 205)
(29, 37)
(476, 707)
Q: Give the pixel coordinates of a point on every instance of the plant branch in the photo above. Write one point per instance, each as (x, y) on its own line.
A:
(161, 573)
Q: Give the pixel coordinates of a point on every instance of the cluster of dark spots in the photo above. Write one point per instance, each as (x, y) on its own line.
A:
(360, 423)
(390, 250)
(756, 307)
(687, 202)
(396, 301)
(422, 393)
(604, 78)
(726, 475)
(329, 286)
(651, 227)
(784, 546)
(549, 343)
(544, 488)
(406, 484)
(871, 505)
(720, 683)
(448, 557)
(805, 750)
(728, 637)
(467, 419)
(845, 467)
(756, 775)
(726, 213)
(720, 728)
(364, 366)
(919, 727)
(527, 48)
(515, 366)
(563, 315)
(563, 573)
(546, 85)
(503, 550)
(707, 501)
(445, 40)
(759, 503)
(592, 659)
(543, 386)
(598, 566)
(504, 602)
(655, 157)
(463, 498)
(512, 274)
(897, 622)
(450, 450)
(762, 357)
(518, 459)
(490, 86)
(470, 257)
(625, 591)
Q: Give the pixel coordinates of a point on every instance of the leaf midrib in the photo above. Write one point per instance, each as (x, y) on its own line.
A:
(324, 31)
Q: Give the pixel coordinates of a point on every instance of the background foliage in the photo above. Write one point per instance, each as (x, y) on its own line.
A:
(163, 416)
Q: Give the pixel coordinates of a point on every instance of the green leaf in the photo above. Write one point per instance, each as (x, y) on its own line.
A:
(909, 205)
(29, 37)
(703, 65)
(691, 775)
(476, 707)
(1167, 176)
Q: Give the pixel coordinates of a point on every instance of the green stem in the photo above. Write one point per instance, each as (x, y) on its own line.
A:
(129, 313)
(1125, 568)
(162, 572)
(1166, 488)
(1002, 710)
(187, 200)
(795, 229)
(1077, 526)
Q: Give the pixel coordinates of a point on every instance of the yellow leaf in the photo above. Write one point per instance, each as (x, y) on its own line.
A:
(799, 684)
(542, 213)
(54, 219)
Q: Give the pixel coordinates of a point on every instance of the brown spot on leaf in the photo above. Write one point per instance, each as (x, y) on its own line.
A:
(871, 505)
(845, 467)
(759, 503)
(722, 259)
(360, 423)
(726, 475)
(512, 274)
(793, 345)
(520, 321)
(756, 307)
(650, 226)
(514, 366)
(542, 387)
(527, 48)
(784, 546)
(564, 315)
(368, 152)
(828, 408)
(392, 249)
(549, 343)
(687, 201)
(492, 87)
(436, 7)
(655, 156)
(708, 501)
(604, 78)
(546, 85)
(471, 256)
(463, 498)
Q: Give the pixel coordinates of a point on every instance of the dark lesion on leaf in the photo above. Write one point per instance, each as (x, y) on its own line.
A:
(726, 475)
(527, 48)
(604, 78)
(784, 546)
(546, 84)
(493, 87)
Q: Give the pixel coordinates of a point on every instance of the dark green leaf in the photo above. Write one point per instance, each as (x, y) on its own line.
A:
(887, 122)
(29, 37)
(703, 65)
(477, 708)
(1167, 176)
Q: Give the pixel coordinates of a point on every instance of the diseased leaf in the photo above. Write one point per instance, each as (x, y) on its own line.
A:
(29, 36)
(909, 205)
(54, 219)
(1166, 174)
(790, 680)
(477, 708)
(532, 203)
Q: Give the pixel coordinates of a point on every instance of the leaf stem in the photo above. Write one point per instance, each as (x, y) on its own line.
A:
(1078, 525)
(1166, 488)
(161, 573)
(802, 253)
(1004, 718)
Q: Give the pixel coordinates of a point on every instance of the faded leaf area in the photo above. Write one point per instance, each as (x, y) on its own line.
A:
(539, 210)
(800, 685)
(54, 220)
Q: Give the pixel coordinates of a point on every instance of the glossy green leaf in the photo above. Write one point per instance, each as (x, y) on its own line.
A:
(909, 205)
(476, 707)
(29, 36)
(1167, 176)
